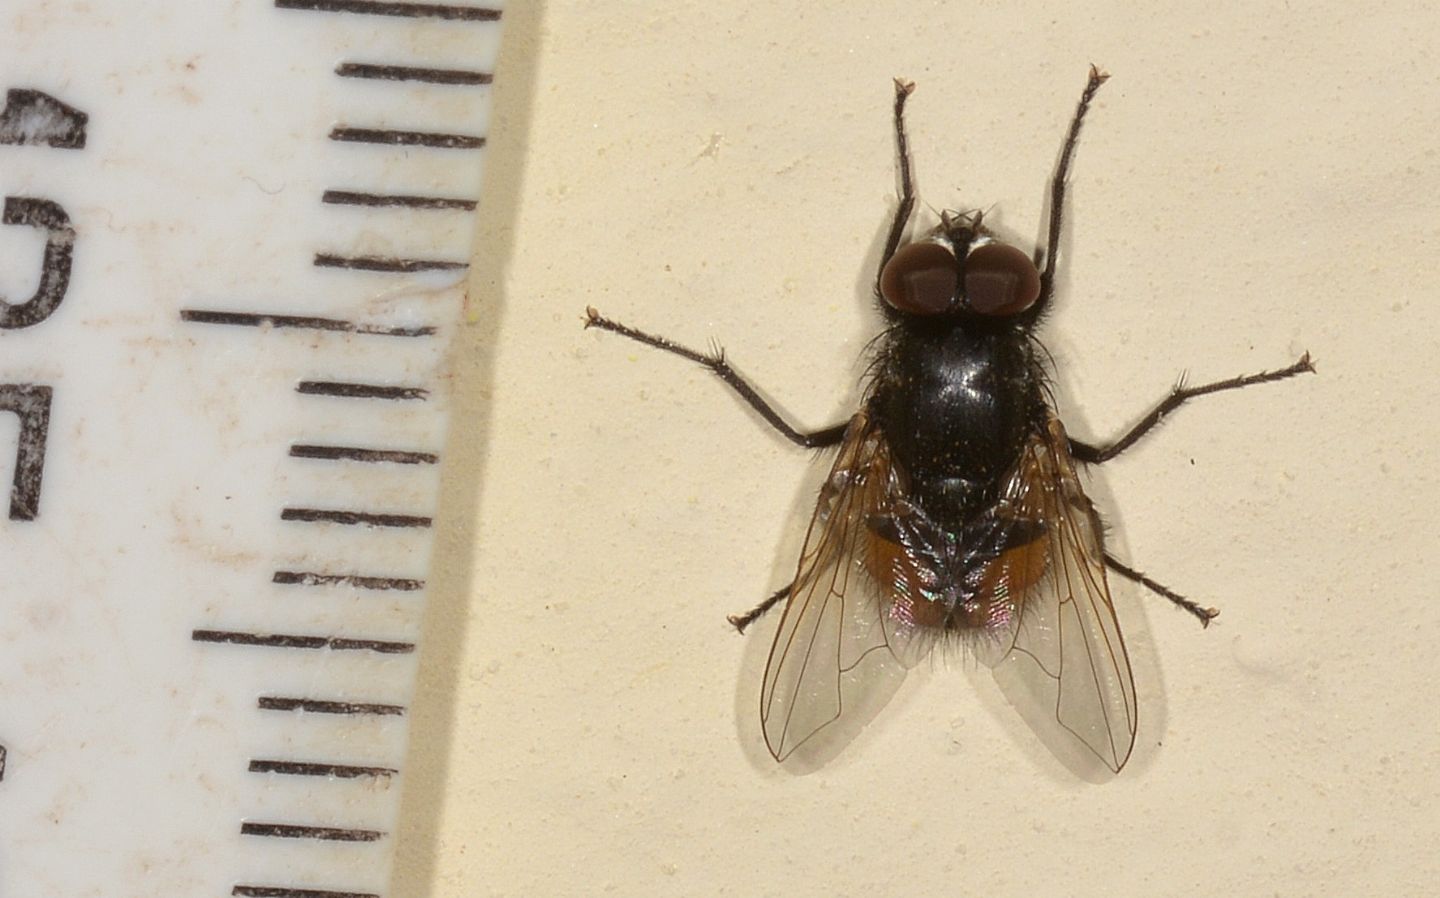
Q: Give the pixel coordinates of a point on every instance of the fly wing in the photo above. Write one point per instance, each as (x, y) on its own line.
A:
(1066, 668)
(831, 628)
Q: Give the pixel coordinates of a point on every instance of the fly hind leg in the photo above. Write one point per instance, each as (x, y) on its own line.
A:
(1179, 395)
(1204, 614)
(741, 621)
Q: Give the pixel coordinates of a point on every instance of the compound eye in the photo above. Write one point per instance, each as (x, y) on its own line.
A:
(1000, 280)
(920, 279)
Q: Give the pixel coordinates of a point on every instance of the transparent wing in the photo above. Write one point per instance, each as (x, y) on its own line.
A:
(1063, 663)
(831, 635)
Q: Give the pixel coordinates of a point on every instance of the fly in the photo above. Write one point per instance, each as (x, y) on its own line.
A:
(953, 510)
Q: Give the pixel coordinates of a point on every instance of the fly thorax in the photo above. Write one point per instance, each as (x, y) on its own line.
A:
(957, 409)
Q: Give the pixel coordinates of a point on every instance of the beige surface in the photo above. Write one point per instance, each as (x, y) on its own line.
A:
(1256, 180)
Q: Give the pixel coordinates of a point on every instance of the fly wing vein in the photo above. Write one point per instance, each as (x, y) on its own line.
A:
(830, 622)
(1068, 658)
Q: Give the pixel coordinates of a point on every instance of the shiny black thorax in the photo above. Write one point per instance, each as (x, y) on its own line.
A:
(957, 400)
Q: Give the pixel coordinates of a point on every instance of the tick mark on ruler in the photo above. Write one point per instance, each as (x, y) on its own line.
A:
(306, 768)
(354, 453)
(408, 10)
(310, 578)
(249, 891)
(359, 391)
(321, 706)
(386, 263)
(295, 831)
(390, 137)
(278, 891)
(465, 77)
(409, 201)
(258, 319)
(291, 641)
(364, 518)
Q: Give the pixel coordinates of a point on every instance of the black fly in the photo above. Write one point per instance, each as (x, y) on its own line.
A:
(953, 509)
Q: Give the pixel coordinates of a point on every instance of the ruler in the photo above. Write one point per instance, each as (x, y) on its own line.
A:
(234, 245)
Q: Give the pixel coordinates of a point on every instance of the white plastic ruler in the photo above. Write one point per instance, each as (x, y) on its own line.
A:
(235, 239)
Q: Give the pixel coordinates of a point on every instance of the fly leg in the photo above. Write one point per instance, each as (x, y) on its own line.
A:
(1179, 394)
(1204, 614)
(1057, 190)
(715, 361)
(741, 621)
(903, 89)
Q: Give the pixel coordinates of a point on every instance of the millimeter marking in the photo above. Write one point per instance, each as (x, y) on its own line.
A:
(436, 140)
(261, 319)
(381, 8)
(322, 706)
(388, 264)
(311, 768)
(360, 391)
(250, 891)
(353, 518)
(355, 453)
(409, 201)
(463, 77)
(299, 831)
(293, 641)
(309, 578)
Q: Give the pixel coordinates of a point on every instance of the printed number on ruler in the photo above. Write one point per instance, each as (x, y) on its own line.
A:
(31, 118)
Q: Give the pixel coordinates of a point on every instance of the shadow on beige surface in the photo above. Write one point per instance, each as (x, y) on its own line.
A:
(435, 706)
